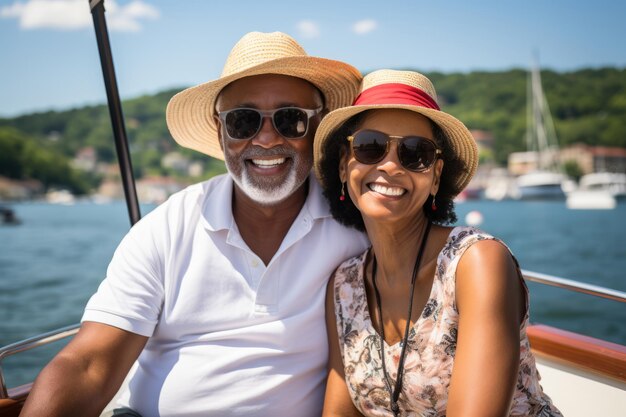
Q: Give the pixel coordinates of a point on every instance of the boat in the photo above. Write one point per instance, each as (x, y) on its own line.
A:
(8, 217)
(598, 191)
(540, 185)
(576, 371)
(590, 200)
(499, 185)
(60, 197)
(612, 182)
(545, 181)
(585, 376)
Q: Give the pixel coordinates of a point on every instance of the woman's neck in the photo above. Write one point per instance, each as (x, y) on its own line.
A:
(395, 247)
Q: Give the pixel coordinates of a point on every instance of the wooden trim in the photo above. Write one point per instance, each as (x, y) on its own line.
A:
(591, 354)
(595, 355)
(11, 407)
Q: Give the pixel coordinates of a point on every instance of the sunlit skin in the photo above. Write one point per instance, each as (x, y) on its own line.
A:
(264, 224)
(268, 92)
(395, 224)
(488, 292)
(396, 211)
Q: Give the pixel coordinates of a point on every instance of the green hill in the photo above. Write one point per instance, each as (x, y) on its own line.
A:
(588, 106)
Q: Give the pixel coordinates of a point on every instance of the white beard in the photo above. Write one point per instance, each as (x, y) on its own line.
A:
(264, 196)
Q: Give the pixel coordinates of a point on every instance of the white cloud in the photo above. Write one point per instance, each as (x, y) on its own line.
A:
(364, 26)
(75, 14)
(308, 29)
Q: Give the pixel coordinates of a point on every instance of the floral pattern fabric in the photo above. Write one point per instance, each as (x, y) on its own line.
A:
(431, 344)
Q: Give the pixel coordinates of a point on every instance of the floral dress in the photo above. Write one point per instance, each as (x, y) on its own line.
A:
(431, 344)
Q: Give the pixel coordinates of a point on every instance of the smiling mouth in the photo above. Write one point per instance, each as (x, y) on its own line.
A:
(387, 191)
(268, 163)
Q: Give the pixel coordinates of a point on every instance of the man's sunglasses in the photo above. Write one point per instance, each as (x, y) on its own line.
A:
(415, 153)
(245, 123)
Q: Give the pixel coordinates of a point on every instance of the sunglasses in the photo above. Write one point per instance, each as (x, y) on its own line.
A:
(244, 123)
(415, 153)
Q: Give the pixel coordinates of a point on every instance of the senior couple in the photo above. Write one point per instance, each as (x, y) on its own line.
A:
(219, 302)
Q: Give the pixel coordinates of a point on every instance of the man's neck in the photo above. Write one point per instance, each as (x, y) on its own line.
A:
(263, 227)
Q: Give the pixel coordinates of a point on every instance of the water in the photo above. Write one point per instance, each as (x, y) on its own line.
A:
(54, 261)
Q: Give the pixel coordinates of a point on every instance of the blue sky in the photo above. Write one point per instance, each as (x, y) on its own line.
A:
(49, 59)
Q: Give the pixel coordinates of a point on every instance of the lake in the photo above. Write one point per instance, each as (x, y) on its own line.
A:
(52, 263)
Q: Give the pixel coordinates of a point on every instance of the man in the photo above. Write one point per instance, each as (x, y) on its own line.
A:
(218, 294)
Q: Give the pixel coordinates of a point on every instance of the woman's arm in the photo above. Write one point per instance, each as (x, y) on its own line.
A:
(337, 402)
(490, 300)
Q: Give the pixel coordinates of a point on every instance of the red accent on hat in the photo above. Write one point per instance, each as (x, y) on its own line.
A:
(395, 93)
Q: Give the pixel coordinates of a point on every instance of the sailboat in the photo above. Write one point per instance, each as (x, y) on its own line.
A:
(545, 182)
(585, 376)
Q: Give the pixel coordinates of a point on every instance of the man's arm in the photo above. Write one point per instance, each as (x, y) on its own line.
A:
(86, 374)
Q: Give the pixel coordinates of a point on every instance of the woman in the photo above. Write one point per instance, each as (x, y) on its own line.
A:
(431, 320)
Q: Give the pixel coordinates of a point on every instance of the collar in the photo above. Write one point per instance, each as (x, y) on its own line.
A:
(217, 208)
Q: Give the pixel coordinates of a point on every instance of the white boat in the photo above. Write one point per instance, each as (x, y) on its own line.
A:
(612, 182)
(545, 182)
(598, 191)
(499, 185)
(60, 197)
(540, 185)
(590, 200)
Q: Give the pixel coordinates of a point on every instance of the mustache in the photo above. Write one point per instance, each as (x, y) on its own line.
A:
(258, 151)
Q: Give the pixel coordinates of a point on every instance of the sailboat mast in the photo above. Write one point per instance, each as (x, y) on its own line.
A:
(538, 117)
(531, 141)
(115, 110)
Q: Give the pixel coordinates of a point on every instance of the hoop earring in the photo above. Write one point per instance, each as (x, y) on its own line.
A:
(342, 197)
(433, 206)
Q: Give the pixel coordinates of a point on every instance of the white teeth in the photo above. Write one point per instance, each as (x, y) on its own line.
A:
(388, 191)
(268, 163)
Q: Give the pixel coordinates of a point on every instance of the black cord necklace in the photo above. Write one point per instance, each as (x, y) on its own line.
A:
(395, 393)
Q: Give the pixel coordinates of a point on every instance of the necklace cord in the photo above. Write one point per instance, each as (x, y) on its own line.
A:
(395, 393)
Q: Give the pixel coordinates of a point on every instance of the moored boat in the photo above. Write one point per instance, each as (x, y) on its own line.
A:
(613, 183)
(545, 181)
(590, 200)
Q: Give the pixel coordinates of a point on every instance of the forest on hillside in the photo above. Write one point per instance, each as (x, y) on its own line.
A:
(588, 106)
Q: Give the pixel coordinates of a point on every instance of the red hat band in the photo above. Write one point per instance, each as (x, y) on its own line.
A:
(395, 93)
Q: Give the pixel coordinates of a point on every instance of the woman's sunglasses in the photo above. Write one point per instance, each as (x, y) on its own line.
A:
(415, 153)
(245, 123)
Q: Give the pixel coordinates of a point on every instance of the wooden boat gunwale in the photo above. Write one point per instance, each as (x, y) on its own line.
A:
(604, 359)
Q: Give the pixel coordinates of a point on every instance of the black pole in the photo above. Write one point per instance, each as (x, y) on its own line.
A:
(115, 109)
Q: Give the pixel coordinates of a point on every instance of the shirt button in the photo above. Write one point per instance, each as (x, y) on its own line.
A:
(255, 263)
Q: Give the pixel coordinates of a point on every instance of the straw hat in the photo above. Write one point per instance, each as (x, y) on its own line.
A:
(391, 89)
(190, 113)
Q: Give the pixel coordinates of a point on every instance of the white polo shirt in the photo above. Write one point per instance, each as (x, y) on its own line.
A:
(229, 336)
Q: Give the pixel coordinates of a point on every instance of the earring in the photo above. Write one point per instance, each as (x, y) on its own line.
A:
(433, 205)
(342, 197)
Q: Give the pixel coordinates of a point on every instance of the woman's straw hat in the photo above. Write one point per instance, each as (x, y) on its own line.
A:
(190, 113)
(391, 89)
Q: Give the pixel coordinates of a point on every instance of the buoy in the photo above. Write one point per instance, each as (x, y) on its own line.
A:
(473, 218)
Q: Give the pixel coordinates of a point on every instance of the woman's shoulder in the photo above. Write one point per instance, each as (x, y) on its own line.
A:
(461, 238)
(350, 269)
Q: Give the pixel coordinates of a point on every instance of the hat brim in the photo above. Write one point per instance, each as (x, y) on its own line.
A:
(461, 140)
(190, 113)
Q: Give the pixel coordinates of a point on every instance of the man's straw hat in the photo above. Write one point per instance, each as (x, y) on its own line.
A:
(391, 89)
(190, 113)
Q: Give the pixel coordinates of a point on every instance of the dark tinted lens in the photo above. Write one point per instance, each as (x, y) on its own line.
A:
(369, 146)
(416, 153)
(242, 123)
(291, 122)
